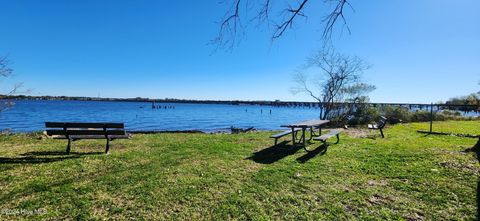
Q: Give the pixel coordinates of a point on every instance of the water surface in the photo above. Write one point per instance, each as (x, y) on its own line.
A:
(27, 116)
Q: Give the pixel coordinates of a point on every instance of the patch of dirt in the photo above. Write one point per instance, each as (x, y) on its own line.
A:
(377, 183)
(377, 199)
(416, 216)
(357, 132)
(460, 166)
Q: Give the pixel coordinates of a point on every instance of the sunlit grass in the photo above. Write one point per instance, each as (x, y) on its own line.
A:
(457, 127)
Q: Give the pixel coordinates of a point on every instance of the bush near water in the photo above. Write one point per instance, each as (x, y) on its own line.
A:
(365, 114)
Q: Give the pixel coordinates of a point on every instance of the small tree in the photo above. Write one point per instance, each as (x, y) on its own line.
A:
(338, 80)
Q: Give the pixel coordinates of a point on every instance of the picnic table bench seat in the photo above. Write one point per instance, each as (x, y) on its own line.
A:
(328, 135)
(284, 133)
(73, 131)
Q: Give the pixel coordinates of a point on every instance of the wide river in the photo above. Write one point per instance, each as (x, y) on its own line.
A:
(27, 116)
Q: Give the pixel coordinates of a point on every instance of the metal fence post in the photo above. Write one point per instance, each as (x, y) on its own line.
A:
(431, 117)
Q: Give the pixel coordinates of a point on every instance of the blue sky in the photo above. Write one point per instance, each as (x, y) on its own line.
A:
(420, 50)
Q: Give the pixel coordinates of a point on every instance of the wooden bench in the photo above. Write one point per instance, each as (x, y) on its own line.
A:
(328, 135)
(78, 131)
(284, 133)
(379, 125)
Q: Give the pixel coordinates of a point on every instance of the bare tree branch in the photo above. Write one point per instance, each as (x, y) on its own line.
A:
(5, 71)
(289, 22)
(231, 28)
(264, 12)
(332, 18)
(301, 80)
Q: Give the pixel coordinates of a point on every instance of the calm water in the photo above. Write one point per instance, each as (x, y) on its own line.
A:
(28, 116)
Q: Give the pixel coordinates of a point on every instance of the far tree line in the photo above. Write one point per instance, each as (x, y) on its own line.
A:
(471, 99)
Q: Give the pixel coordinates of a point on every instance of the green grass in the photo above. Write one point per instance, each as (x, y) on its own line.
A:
(406, 176)
(457, 127)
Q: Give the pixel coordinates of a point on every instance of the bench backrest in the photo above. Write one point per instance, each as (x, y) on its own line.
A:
(382, 122)
(72, 128)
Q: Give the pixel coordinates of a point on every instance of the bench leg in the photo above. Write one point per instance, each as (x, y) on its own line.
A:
(338, 139)
(381, 132)
(305, 147)
(276, 139)
(69, 145)
(108, 146)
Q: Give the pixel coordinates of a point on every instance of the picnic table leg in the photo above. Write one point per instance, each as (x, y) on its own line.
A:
(293, 136)
(311, 133)
(303, 135)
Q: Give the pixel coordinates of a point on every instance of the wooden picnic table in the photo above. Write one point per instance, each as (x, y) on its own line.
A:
(304, 125)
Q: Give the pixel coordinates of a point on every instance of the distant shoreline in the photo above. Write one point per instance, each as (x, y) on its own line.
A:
(229, 102)
(150, 100)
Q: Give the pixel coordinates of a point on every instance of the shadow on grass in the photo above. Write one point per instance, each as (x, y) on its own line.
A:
(273, 154)
(59, 153)
(37, 157)
(478, 198)
(476, 149)
(32, 160)
(321, 150)
(426, 135)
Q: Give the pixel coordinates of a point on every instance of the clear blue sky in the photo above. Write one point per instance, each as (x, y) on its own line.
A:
(421, 50)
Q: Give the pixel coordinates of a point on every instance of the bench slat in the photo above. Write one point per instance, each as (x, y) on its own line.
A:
(284, 133)
(85, 132)
(83, 125)
(328, 135)
(80, 137)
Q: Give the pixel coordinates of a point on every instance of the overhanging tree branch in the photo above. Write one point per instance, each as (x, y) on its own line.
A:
(332, 18)
(289, 22)
(231, 28)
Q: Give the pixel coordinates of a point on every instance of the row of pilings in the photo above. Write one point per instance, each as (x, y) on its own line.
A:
(409, 106)
(295, 104)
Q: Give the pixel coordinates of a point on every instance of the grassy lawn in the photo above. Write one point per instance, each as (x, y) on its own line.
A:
(463, 127)
(406, 176)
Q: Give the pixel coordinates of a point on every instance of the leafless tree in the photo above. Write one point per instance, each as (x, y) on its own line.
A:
(236, 18)
(338, 81)
(5, 72)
